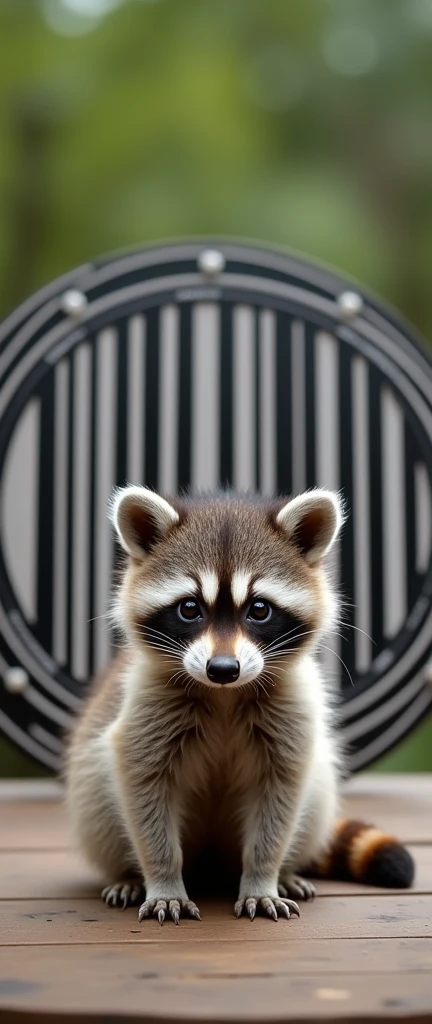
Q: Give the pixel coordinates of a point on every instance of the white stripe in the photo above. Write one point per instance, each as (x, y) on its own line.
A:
(20, 511)
(290, 596)
(267, 386)
(361, 513)
(24, 742)
(205, 395)
(136, 399)
(81, 511)
(240, 586)
(209, 586)
(168, 399)
(380, 353)
(298, 405)
(244, 398)
(33, 657)
(153, 596)
(105, 450)
(327, 433)
(61, 511)
(47, 345)
(380, 715)
(388, 738)
(35, 301)
(423, 516)
(47, 708)
(393, 519)
(42, 736)
(327, 410)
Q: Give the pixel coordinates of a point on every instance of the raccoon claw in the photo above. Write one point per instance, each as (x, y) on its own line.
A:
(293, 885)
(122, 894)
(175, 909)
(251, 904)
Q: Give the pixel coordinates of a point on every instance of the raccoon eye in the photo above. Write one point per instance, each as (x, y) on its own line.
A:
(259, 611)
(189, 610)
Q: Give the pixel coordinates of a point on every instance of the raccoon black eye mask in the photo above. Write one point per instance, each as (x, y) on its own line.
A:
(267, 625)
(213, 719)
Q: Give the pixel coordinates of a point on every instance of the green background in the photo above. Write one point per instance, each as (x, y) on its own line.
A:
(305, 123)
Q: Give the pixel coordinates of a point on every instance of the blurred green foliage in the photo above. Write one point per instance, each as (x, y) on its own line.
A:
(303, 123)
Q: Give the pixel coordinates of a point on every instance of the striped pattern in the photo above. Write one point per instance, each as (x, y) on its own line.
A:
(202, 387)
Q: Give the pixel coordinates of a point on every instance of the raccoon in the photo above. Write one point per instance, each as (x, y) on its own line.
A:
(206, 752)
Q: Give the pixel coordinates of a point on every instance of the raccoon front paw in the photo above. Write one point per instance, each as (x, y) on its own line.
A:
(250, 904)
(294, 885)
(122, 894)
(175, 908)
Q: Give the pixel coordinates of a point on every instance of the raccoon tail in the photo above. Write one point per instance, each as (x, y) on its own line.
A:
(361, 853)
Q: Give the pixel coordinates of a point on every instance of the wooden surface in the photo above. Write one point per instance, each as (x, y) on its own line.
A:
(355, 954)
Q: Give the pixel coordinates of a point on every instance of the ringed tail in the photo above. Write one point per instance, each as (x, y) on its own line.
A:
(361, 853)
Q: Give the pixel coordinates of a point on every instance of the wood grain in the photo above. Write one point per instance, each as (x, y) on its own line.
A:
(117, 982)
(355, 954)
(89, 920)
(65, 873)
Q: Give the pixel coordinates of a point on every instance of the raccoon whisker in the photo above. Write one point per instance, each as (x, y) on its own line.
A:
(279, 639)
(350, 625)
(283, 639)
(164, 653)
(279, 672)
(158, 645)
(165, 650)
(164, 636)
(264, 679)
(275, 650)
(176, 677)
(324, 648)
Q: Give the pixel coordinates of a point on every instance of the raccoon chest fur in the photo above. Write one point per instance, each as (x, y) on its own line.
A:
(231, 752)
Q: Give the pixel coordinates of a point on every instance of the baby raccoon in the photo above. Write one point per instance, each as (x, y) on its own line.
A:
(211, 732)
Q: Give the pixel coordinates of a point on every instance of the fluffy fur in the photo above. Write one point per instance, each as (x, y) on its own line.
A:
(207, 748)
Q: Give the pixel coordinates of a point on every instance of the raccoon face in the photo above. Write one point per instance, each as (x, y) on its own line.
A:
(225, 589)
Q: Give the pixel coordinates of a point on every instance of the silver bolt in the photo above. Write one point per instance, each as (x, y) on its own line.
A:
(350, 305)
(16, 679)
(73, 303)
(211, 262)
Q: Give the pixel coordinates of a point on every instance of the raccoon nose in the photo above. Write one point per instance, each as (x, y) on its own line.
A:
(223, 669)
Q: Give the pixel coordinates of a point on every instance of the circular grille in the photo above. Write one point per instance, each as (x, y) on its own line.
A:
(196, 364)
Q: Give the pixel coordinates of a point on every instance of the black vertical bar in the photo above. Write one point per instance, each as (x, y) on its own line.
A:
(283, 410)
(310, 406)
(45, 513)
(122, 402)
(69, 561)
(152, 398)
(347, 537)
(376, 526)
(226, 395)
(93, 525)
(185, 398)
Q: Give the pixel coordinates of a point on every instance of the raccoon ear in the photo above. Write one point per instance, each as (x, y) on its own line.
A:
(141, 518)
(312, 521)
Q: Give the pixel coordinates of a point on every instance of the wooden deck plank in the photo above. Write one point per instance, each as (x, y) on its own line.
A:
(121, 984)
(277, 956)
(403, 808)
(89, 920)
(355, 953)
(33, 826)
(64, 873)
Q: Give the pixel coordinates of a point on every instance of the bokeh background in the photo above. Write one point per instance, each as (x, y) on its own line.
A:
(305, 123)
